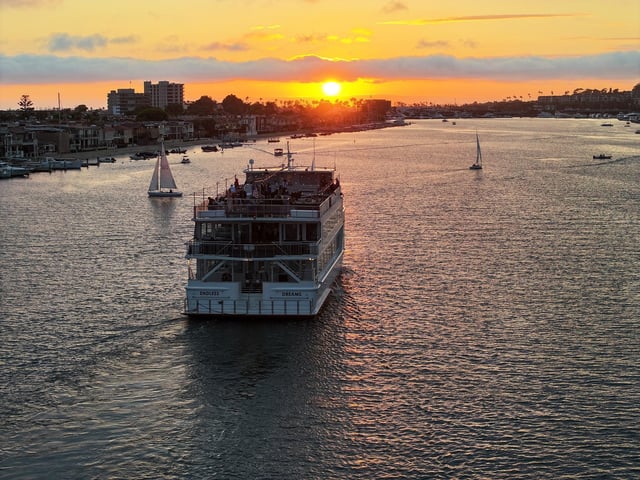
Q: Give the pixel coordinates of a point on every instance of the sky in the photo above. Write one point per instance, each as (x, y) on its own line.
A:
(406, 51)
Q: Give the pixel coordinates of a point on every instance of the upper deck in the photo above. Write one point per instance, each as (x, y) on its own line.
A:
(274, 192)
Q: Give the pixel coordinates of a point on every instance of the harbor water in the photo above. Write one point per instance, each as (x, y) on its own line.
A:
(486, 323)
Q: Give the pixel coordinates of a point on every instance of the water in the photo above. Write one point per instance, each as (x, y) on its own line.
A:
(485, 325)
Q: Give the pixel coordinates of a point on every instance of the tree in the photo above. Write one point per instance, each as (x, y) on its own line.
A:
(25, 103)
(271, 108)
(152, 114)
(233, 105)
(79, 112)
(202, 107)
(174, 109)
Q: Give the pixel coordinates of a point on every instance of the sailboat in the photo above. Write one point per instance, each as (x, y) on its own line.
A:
(478, 163)
(162, 182)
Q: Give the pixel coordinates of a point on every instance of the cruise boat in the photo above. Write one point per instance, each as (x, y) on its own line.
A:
(269, 247)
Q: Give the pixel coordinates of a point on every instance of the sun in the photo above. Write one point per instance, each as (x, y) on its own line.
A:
(331, 89)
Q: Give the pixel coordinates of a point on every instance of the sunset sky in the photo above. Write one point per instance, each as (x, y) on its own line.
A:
(402, 50)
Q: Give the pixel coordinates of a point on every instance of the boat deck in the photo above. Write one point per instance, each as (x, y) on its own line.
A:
(273, 193)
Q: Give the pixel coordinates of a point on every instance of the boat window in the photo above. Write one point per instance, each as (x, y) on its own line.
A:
(312, 232)
(215, 231)
(292, 232)
(242, 231)
(264, 232)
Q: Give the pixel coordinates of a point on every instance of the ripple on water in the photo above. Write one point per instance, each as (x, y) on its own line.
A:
(483, 326)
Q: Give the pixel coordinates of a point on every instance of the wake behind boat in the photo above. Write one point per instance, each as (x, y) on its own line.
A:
(162, 181)
(271, 247)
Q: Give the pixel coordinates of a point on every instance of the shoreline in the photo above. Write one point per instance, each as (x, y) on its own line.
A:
(116, 152)
(88, 155)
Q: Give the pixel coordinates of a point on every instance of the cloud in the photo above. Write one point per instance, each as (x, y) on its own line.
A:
(50, 69)
(124, 40)
(27, 3)
(433, 44)
(228, 47)
(63, 42)
(264, 33)
(394, 6)
(475, 18)
(358, 36)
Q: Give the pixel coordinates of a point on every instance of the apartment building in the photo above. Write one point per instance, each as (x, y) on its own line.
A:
(125, 100)
(164, 93)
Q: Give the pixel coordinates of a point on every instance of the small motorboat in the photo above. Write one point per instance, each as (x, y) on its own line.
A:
(185, 159)
(602, 156)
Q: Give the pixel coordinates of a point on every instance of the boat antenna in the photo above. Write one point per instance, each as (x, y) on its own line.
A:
(289, 158)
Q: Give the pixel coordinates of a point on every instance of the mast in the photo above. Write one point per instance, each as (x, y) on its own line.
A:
(155, 185)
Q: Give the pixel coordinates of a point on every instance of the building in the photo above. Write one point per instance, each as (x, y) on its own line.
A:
(125, 100)
(375, 110)
(164, 93)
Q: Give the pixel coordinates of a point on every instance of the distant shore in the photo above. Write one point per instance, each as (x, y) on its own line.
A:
(129, 150)
(169, 145)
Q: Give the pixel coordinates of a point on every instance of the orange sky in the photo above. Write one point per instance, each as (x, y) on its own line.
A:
(402, 50)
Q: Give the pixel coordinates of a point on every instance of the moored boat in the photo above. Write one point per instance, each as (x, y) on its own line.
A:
(602, 156)
(269, 247)
(10, 171)
(66, 163)
(143, 155)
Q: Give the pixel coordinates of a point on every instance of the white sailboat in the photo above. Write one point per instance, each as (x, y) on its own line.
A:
(478, 163)
(162, 182)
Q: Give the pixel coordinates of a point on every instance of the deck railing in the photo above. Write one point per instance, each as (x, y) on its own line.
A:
(280, 207)
(248, 308)
(196, 248)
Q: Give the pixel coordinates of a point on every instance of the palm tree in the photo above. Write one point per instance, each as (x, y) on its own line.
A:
(25, 103)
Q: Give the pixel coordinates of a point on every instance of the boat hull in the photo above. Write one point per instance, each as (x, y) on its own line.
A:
(279, 300)
(160, 194)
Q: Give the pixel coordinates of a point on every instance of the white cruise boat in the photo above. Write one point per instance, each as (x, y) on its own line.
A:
(270, 247)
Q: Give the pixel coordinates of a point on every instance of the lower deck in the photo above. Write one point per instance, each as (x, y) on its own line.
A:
(283, 299)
